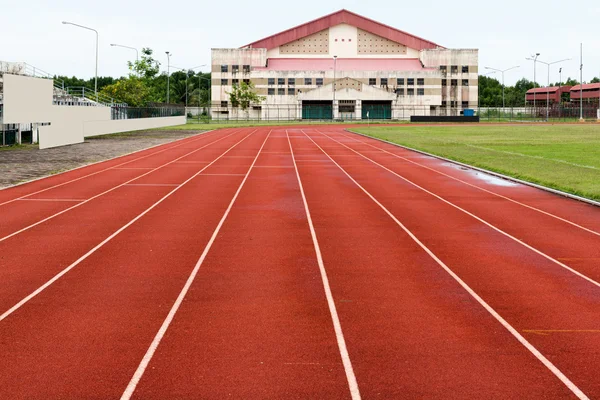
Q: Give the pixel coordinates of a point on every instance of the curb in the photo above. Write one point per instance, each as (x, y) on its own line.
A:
(496, 174)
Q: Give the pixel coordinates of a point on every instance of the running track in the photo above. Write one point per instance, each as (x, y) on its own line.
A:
(295, 263)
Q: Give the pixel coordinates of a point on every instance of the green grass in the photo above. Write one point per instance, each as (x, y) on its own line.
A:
(564, 157)
(19, 147)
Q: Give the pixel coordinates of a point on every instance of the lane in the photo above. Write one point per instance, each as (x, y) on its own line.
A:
(512, 279)
(84, 336)
(254, 323)
(568, 245)
(411, 330)
(11, 194)
(27, 214)
(50, 248)
(582, 214)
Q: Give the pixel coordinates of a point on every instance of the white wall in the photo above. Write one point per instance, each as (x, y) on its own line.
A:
(96, 128)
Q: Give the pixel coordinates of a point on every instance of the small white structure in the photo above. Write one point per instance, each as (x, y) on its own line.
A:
(31, 100)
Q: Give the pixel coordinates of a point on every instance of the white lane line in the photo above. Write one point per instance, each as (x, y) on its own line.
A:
(152, 184)
(134, 168)
(477, 187)
(182, 142)
(508, 235)
(563, 378)
(167, 322)
(51, 199)
(109, 238)
(107, 191)
(352, 383)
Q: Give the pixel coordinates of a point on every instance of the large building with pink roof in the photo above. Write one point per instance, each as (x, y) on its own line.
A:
(345, 66)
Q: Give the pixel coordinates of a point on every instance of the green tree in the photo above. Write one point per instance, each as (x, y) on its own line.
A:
(147, 67)
(244, 94)
(132, 90)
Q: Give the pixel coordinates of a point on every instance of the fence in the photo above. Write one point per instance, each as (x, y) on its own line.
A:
(556, 113)
(120, 112)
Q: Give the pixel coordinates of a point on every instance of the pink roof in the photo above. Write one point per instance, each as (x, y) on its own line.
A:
(344, 64)
(543, 90)
(586, 86)
(343, 17)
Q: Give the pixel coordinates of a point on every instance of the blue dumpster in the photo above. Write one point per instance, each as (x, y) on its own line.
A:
(469, 112)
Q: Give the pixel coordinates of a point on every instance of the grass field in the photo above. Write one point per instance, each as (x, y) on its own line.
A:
(564, 157)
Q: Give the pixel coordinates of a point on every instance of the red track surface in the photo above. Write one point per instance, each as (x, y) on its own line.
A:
(298, 263)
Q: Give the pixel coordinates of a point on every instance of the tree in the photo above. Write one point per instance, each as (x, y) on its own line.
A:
(131, 90)
(242, 95)
(147, 67)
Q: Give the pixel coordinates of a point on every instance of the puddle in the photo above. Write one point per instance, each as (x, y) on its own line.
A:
(487, 178)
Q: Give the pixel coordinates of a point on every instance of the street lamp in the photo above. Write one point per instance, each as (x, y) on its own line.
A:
(90, 29)
(333, 105)
(548, 89)
(502, 71)
(137, 54)
(186, 82)
(534, 59)
(168, 73)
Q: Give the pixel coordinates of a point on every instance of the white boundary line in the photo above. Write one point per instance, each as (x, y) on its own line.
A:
(566, 381)
(106, 191)
(191, 139)
(109, 238)
(167, 322)
(499, 175)
(352, 383)
(539, 252)
(475, 186)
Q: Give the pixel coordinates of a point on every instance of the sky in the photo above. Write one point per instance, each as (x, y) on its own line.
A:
(505, 32)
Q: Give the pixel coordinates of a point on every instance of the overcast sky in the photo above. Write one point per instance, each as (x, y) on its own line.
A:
(505, 32)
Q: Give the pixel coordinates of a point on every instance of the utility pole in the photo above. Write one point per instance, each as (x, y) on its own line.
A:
(333, 104)
(168, 73)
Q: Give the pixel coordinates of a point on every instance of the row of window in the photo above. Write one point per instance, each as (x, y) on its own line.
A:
(454, 82)
(464, 104)
(292, 81)
(372, 81)
(234, 81)
(292, 91)
(281, 91)
(454, 69)
(235, 68)
(410, 92)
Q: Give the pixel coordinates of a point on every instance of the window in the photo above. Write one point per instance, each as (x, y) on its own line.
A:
(453, 103)
(235, 69)
(319, 81)
(400, 92)
(420, 92)
(454, 82)
(247, 81)
(465, 69)
(271, 81)
(373, 81)
(454, 69)
(235, 82)
(246, 69)
(281, 81)
(291, 91)
(465, 82)
(444, 103)
(281, 91)
(383, 81)
(400, 81)
(465, 104)
(420, 81)
(223, 104)
(410, 92)
(444, 82)
(410, 81)
(443, 68)
(291, 81)
(224, 68)
(271, 91)
(224, 82)
(308, 81)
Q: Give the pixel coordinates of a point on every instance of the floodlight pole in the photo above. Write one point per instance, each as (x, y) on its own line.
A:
(168, 73)
(90, 29)
(548, 87)
(581, 82)
(333, 105)
(502, 71)
(534, 59)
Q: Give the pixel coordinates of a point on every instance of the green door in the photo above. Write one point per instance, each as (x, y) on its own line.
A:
(376, 110)
(317, 111)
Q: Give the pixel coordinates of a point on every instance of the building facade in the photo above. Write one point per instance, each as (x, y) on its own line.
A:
(345, 66)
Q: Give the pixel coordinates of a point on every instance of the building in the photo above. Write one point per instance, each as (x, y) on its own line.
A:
(345, 66)
(590, 93)
(552, 94)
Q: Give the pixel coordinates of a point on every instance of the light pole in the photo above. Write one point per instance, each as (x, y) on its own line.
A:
(168, 73)
(548, 87)
(560, 91)
(186, 80)
(534, 59)
(90, 29)
(503, 71)
(137, 54)
(333, 105)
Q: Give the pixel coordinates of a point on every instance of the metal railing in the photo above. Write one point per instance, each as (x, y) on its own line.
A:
(124, 112)
(85, 95)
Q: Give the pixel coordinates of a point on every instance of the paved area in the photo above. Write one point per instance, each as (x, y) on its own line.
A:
(28, 162)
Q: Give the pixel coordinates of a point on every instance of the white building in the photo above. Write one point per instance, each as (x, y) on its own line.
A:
(346, 66)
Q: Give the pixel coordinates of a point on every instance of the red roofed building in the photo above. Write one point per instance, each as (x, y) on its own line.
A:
(344, 65)
(591, 92)
(550, 94)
